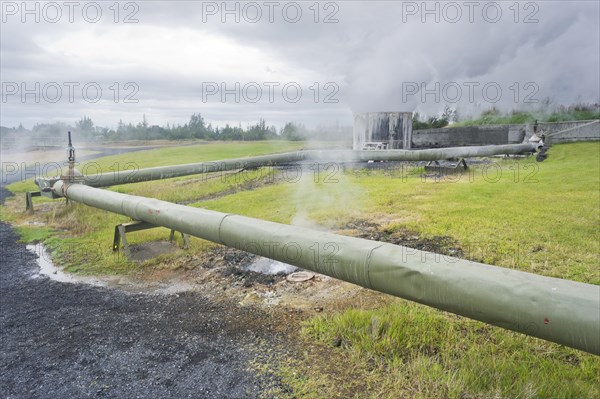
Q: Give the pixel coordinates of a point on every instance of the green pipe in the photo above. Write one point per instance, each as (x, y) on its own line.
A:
(433, 154)
(165, 172)
(557, 310)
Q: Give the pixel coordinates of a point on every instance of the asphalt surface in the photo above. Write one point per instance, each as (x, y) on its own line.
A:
(65, 340)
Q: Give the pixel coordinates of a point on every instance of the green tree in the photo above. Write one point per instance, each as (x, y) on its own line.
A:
(292, 132)
(196, 127)
(85, 126)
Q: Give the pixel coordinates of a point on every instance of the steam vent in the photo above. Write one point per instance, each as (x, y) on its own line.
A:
(382, 130)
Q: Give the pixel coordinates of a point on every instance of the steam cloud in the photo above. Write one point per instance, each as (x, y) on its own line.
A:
(373, 51)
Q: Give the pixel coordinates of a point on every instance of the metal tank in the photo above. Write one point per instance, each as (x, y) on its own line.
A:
(392, 129)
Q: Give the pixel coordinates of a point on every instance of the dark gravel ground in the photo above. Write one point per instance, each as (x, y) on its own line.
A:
(62, 340)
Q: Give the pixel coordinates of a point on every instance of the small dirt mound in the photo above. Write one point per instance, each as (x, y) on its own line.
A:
(409, 238)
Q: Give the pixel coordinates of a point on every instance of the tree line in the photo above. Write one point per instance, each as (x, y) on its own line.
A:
(198, 128)
(195, 128)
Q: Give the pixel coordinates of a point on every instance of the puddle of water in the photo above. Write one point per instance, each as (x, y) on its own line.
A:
(175, 287)
(270, 266)
(48, 269)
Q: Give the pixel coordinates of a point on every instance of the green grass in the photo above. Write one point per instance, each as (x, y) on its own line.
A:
(33, 234)
(537, 217)
(191, 154)
(408, 350)
(79, 226)
(562, 115)
(172, 156)
(309, 199)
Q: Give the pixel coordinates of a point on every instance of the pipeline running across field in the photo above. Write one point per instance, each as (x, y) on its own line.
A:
(553, 309)
(133, 175)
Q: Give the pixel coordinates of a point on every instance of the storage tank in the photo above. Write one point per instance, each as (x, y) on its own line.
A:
(392, 129)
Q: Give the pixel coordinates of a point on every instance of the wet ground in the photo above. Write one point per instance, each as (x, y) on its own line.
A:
(196, 330)
(76, 340)
(200, 331)
(71, 339)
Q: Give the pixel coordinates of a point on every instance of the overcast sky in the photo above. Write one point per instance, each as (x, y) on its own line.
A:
(310, 62)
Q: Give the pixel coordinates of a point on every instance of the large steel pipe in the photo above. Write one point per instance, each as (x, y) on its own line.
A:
(164, 172)
(433, 154)
(132, 175)
(557, 310)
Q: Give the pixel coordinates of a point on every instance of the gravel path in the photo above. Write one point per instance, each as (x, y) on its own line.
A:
(64, 340)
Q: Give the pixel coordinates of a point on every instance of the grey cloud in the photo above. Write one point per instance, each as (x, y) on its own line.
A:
(371, 53)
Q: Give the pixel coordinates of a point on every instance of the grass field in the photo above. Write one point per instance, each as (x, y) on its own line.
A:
(542, 218)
